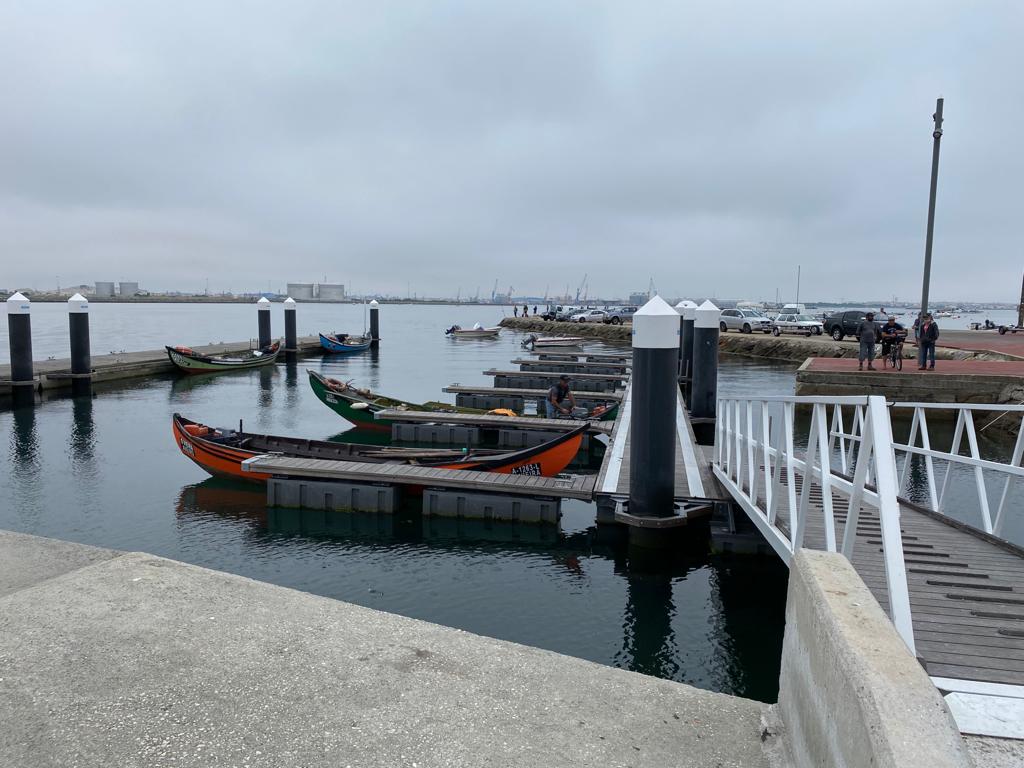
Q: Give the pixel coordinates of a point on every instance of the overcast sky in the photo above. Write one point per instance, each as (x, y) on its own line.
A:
(712, 147)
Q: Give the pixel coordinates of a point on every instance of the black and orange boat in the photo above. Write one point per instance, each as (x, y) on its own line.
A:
(222, 451)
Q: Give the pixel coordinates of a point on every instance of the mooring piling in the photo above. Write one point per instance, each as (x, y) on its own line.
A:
(653, 410)
(263, 313)
(704, 394)
(19, 330)
(374, 324)
(686, 310)
(291, 337)
(81, 355)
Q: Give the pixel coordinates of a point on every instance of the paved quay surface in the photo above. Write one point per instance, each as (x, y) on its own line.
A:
(942, 368)
(991, 341)
(126, 659)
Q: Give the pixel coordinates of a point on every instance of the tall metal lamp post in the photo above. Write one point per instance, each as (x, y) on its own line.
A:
(936, 139)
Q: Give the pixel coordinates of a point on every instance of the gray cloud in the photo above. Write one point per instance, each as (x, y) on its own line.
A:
(447, 144)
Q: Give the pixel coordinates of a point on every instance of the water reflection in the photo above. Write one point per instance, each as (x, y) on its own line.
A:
(82, 446)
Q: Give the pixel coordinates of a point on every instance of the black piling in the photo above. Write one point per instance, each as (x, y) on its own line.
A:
(19, 329)
(81, 355)
(704, 396)
(652, 439)
(374, 324)
(291, 338)
(687, 313)
(263, 313)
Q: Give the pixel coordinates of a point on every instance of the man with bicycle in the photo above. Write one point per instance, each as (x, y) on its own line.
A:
(893, 334)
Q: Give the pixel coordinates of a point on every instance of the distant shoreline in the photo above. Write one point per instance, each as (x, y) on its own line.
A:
(151, 299)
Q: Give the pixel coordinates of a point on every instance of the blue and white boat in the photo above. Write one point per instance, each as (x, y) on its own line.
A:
(342, 343)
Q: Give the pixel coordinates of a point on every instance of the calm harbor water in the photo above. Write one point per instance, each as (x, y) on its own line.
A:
(105, 471)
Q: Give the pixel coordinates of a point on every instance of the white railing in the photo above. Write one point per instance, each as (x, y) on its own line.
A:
(756, 460)
(938, 479)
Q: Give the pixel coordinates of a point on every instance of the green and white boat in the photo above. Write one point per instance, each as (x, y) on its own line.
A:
(190, 361)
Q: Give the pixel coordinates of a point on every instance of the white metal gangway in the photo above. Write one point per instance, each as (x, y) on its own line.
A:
(838, 481)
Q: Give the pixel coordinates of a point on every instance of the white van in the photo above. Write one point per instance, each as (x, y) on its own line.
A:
(793, 309)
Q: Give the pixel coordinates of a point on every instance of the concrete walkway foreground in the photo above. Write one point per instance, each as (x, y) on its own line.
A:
(113, 659)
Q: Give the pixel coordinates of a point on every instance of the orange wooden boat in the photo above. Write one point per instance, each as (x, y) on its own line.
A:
(222, 451)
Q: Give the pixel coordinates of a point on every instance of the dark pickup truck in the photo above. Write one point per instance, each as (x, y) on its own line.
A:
(845, 324)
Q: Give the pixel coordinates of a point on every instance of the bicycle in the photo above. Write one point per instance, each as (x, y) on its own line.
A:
(894, 357)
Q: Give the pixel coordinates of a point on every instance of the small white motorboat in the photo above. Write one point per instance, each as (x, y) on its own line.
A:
(533, 341)
(476, 332)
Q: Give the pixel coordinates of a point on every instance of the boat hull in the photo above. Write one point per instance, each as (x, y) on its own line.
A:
(470, 333)
(331, 344)
(192, 363)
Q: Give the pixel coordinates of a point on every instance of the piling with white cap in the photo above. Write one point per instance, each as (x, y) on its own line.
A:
(19, 329)
(652, 439)
(78, 332)
(687, 314)
(291, 338)
(704, 390)
(263, 313)
(374, 324)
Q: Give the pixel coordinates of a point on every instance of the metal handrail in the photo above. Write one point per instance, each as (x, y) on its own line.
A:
(754, 452)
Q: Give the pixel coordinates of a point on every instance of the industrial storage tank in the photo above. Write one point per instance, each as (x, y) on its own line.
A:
(104, 289)
(129, 289)
(332, 292)
(301, 291)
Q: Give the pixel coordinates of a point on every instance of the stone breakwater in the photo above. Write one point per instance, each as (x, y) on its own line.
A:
(795, 349)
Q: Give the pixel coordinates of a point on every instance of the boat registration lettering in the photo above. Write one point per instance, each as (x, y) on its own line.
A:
(527, 469)
(331, 398)
(186, 448)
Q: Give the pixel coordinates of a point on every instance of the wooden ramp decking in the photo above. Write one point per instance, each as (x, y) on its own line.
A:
(693, 476)
(493, 421)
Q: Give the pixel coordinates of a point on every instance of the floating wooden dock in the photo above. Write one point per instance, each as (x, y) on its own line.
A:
(586, 356)
(693, 476)
(573, 487)
(528, 394)
(554, 375)
(494, 421)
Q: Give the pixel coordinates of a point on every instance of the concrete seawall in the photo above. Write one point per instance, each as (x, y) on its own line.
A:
(794, 349)
(850, 693)
(127, 659)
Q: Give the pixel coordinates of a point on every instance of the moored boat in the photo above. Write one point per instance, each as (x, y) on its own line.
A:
(476, 332)
(359, 406)
(222, 451)
(342, 343)
(533, 341)
(190, 361)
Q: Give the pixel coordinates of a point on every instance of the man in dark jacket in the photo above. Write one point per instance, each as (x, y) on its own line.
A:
(929, 334)
(868, 335)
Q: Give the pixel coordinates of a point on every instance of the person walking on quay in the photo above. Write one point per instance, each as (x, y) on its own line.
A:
(868, 336)
(515, 311)
(526, 310)
(557, 395)
(929, 334)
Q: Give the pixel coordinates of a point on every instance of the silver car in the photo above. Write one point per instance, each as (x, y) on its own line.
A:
(802, 324)
(744, 320)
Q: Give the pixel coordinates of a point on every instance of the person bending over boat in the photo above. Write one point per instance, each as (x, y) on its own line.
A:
(558, 394)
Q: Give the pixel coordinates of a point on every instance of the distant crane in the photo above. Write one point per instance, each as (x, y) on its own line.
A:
(476, 296)
(494, 290)
(510, 294)
(582, 285)
(458, 295)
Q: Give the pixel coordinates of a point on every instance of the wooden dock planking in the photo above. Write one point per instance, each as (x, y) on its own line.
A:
(456, 389)
(692, 473)
(583, 364)
(966, 591)
(554, 375)
(576, 487)
(493, 421)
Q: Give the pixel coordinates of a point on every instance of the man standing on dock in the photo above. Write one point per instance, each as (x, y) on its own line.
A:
(868, 336)
(929, 334)
(557, 395)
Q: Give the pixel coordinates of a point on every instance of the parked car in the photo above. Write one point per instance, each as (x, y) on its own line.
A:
(559, 312)
(744, 320)
(619, 315)
(804, 324)
(793, 309)
(589, 316)
(843, 324)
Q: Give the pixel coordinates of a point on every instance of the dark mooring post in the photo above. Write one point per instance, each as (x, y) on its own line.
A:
(291, 338)
(704, 395)
(686, 310)
(652, 437)
(263, 313)
(374, 324)
(19, 329)
(936, 140)
(81, 355)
